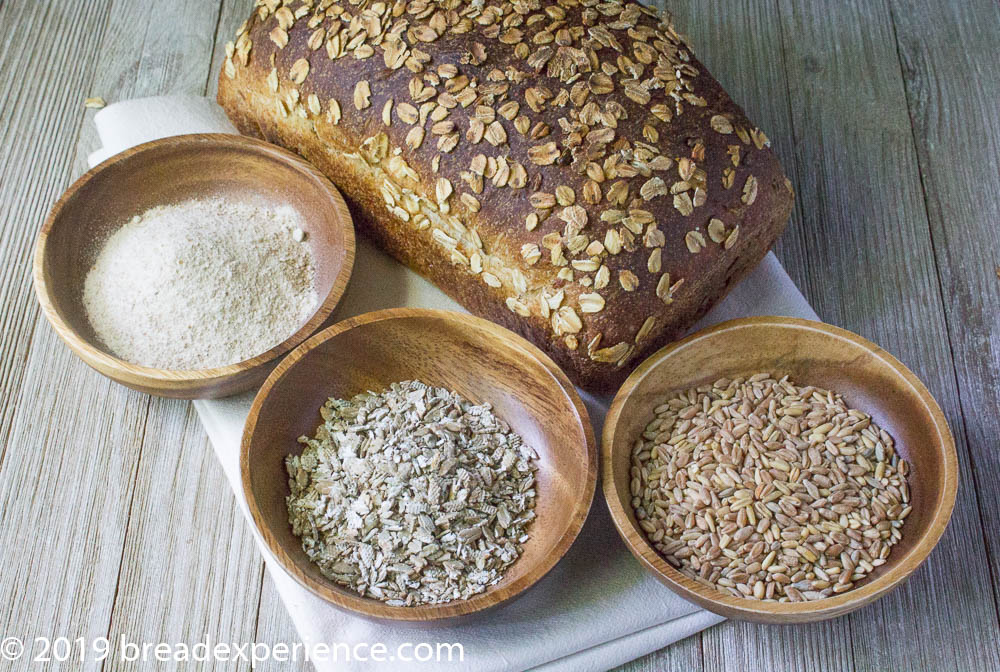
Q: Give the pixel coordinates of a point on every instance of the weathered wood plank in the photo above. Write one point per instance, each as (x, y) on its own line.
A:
(65, 492)
(751, 647)
(874, 272)
(684, 656)
(45, 70)
(190, 567)
(952, 90)
(67, 467)
(274, 626)
(842, 134)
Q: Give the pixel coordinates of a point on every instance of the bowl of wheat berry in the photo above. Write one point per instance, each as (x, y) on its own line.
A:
(778, 470)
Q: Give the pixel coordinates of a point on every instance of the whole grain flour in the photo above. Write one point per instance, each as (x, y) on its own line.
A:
(201, 283)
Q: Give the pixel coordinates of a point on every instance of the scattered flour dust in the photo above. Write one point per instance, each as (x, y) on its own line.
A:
(201, 283)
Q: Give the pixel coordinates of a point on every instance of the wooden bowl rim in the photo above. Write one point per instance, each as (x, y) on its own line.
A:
(748, 609)
(425, 613)
(152, 376)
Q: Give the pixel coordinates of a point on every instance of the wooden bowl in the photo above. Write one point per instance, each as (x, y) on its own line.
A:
(475, 358)
(166, 171)
(811, 353)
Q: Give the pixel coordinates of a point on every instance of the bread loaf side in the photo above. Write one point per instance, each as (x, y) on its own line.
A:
(567, 169)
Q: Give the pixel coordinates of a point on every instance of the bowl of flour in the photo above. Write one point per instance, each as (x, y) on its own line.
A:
(186, 267)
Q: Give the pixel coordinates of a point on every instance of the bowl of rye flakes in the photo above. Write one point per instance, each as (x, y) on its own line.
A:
(186, 266)
(778, 470)
(418, 465)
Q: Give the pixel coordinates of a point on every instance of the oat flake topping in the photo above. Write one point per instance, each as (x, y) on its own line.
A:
(596, 69)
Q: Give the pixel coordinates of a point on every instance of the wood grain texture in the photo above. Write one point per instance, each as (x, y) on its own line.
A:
(739, 646)
(683, 656)
(274, 626)
(952, 90)
(190, 566)
(63, 504)
(65, 491)
(43, 100)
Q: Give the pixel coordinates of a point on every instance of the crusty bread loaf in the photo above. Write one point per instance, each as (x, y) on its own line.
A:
(567, 168)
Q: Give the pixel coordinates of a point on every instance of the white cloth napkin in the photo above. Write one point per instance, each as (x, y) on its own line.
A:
(597, 608)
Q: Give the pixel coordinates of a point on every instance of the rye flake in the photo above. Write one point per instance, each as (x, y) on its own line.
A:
(413, 495)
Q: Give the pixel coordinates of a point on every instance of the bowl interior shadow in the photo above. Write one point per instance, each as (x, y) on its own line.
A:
(191, 167)
(868, 378)
(445, 350)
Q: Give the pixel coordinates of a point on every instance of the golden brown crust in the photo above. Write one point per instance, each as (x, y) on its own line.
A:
(568, 169)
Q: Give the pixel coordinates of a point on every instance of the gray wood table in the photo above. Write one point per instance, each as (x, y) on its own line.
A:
(115, 518)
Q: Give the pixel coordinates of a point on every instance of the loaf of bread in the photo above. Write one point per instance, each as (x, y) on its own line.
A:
(566, 168)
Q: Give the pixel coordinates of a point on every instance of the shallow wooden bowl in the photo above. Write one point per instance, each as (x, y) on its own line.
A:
(166, 171)
(811, 353)
(477, 359)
